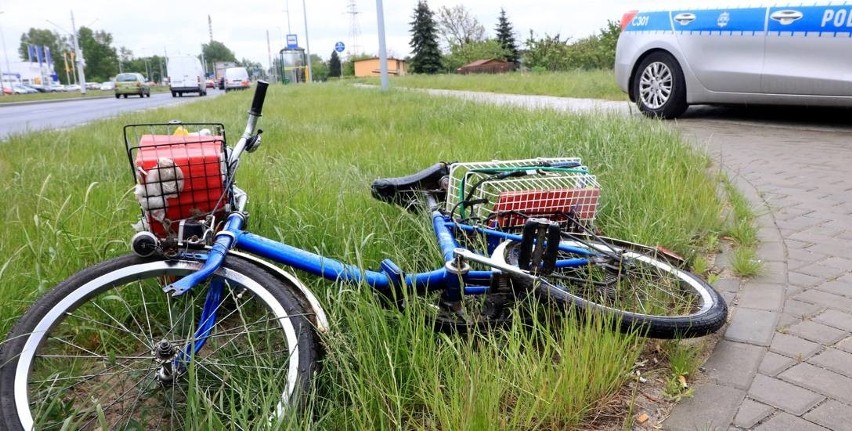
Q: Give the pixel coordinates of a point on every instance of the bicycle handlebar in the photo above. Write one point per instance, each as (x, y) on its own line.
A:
(259, 97)
(254, 113)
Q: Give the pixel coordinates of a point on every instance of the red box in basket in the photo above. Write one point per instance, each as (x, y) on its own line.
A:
(514, 207)
(179, 177)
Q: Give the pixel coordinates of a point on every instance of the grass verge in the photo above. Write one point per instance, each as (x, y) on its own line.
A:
(68, 205)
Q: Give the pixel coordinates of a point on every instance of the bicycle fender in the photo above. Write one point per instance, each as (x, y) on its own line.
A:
(320, 320)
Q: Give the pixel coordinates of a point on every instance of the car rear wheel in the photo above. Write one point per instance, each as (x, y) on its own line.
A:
(659, 86)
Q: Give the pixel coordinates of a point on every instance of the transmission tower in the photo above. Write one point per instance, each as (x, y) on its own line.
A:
(354, 28)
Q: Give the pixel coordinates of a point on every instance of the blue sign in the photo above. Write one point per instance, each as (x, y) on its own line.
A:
(339, 46)
(292, 43)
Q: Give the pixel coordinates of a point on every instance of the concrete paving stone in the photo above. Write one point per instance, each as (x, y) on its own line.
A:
(768, 233)
(772, 251)
(787, 320)
(733, 364)
(803, 280)
(820, 232)
(806, 255)
(820, 380)
(751, 412)
(727, 285)
(801, 309)
(835, 360)
(793, 244)
(845, 344)
(794, 347)
(786, 422)
(762, 296)
(811, 236)
(773, 364)
(817, 332)
(836, 247)
(839, 286)
(712, 407)
(821, 269)
(752, 326)
(835, 318)
(793, 221)
(791, 398)
(838, 262)
(833, 415)
(772, 272)
(829, 300)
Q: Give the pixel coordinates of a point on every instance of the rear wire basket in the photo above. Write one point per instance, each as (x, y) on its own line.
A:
(504, 194)
(180, 172)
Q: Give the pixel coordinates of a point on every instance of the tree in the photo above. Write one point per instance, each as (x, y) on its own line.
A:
(217, 51)
(506, 37)
(547, 53)
(459, 27)
(424, 41)
(334, 65)
(101, 58)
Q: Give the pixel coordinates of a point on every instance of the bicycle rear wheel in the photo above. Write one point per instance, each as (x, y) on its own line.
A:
(640, 289)
(107, 349)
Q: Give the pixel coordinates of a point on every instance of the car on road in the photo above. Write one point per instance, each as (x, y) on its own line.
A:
(722, 52)
(236, 78)
(210, 83)
(131, 83)
(107, 86)
(186, 75)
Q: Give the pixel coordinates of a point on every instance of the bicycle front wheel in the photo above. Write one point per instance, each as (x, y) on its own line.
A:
(640, 289)
(108, 349)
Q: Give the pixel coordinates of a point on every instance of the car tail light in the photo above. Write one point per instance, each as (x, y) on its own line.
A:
(627, 17)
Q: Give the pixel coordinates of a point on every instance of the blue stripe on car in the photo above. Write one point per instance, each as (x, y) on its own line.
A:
(824, 21)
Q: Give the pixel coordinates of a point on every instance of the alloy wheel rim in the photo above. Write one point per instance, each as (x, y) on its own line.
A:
(655, 85)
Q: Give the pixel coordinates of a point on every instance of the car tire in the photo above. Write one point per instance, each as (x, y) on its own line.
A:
(117, 96)
(125, 96)
(659, 86)
(174, 94)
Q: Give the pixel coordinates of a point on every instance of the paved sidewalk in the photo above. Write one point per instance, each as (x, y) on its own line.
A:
(785, 361)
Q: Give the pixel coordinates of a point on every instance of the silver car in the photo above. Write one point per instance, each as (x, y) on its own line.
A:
(788, 54)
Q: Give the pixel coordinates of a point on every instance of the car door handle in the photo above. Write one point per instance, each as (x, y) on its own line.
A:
(785, 17)
(684, 18)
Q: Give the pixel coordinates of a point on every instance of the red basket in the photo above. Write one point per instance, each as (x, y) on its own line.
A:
(179, 177)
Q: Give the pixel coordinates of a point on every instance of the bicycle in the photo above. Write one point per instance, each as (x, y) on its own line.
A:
(202, 309)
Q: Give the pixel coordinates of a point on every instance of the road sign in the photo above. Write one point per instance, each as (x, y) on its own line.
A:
(339, 46)
(292, 42)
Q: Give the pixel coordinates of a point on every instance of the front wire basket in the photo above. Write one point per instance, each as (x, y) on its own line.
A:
(504, 194)
(181, 173)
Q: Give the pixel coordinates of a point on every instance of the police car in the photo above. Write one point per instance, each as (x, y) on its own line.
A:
(736, 53)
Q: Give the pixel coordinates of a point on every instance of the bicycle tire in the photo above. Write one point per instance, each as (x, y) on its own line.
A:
(640, 289)
(85, 352)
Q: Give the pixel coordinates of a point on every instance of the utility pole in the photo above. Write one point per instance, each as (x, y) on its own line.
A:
(383, 55)
(310, 76)
(81, 63)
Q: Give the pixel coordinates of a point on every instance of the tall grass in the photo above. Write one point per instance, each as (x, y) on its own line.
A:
(67, 205)
(597, 84)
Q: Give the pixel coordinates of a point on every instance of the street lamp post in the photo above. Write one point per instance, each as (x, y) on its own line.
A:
(310, 76)
(6, 59)
(81, 63)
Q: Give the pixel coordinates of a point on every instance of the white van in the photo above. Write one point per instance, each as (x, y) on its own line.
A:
(186, 76)
(236, 78)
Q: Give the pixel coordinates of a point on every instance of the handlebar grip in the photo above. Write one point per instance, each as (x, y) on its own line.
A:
(259, 96)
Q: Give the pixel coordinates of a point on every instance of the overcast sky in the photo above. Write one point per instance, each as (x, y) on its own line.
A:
(160, 27)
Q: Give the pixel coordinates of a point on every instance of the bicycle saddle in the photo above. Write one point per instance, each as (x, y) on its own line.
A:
(403, 190)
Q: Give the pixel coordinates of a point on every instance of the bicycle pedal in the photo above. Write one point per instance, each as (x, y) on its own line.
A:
(539, 246)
